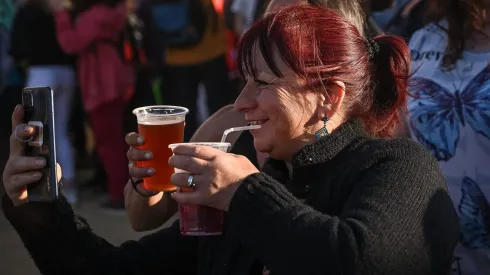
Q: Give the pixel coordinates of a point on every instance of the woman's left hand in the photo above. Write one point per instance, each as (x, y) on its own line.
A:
(217, 175)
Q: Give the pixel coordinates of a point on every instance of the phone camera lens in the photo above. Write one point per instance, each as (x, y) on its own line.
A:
(28, 100)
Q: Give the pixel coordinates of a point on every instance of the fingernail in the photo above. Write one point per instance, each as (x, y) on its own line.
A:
(140, 140)
(37, 175)
(150, 172)
(40, 162)
(148, 155)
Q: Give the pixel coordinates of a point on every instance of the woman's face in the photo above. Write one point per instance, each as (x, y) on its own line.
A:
(286, 110)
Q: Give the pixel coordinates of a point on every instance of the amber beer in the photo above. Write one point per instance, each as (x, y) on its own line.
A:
(160, 126)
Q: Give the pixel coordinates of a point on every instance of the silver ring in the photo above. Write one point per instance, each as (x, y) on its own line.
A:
(190, 182)
(17, 136)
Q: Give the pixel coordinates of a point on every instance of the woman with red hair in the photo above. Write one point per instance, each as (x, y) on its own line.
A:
(338, 195)
(147, 212)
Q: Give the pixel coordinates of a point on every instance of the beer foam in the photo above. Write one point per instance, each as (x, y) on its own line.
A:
(151, 120)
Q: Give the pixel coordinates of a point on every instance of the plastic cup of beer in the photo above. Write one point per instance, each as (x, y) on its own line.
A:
(160, 126)
(200, 220)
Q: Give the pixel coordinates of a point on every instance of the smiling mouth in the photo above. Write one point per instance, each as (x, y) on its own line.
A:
(257, 122)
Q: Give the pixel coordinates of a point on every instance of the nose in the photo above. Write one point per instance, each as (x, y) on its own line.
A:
(247, 100)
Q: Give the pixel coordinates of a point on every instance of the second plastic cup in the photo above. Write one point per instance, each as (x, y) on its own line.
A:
(160, 126)
(199, 220)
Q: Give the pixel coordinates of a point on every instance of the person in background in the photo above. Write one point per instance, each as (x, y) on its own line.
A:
(370, 6)
(33, 42)
(408, 19)
(106, 82)
(77, 127)
(246, 13)
(7, 11)
(369, 26)
(146, 75)
(147, 211)
(202, 61)
(238, 16)
(450, 115)
(9, 90)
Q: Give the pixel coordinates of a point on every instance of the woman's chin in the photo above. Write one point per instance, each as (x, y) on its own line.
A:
(262, 146)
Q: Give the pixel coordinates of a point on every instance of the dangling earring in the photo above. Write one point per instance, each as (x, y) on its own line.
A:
(323, 131)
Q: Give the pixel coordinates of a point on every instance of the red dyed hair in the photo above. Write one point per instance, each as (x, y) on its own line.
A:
(321, 47)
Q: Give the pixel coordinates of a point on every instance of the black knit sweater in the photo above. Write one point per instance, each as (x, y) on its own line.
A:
(354, 205)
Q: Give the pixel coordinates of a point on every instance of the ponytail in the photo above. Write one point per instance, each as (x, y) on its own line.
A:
(390, 58)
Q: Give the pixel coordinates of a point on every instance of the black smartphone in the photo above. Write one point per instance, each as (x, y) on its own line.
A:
(39, 113)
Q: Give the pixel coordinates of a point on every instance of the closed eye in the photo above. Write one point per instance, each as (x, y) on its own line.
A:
(261, 83)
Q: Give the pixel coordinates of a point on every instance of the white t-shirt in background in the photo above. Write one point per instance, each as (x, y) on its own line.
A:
(450, 116)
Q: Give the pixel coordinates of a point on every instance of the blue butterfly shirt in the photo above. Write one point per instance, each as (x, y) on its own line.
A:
(449, 113)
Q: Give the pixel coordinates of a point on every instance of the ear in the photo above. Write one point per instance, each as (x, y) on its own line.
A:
(331, 100)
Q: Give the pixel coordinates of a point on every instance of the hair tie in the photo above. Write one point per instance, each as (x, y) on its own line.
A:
(372, 48)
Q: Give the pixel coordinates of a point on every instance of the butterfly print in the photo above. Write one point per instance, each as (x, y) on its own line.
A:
(436, 113)
(474, 214)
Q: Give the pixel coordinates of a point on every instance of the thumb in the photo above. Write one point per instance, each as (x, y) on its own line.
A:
(17, 116)
(16, 147)
(59, 173)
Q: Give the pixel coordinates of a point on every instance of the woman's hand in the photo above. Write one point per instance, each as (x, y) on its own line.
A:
(217, 175)
(21, 170)
(134, 154)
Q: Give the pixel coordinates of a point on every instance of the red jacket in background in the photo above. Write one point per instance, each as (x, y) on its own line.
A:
(103, 76)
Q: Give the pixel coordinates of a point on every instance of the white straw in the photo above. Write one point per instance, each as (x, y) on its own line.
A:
(236, 129)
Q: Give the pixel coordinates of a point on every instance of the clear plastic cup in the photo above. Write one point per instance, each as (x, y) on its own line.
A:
(199, 220)
(160, 126)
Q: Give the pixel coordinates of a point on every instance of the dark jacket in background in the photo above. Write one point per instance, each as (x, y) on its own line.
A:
(153, 41)
(33, 37)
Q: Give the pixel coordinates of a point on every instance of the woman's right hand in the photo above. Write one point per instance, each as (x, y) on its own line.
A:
(20, 170)
(134, 154)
